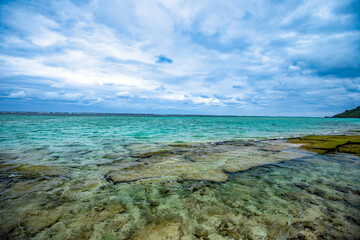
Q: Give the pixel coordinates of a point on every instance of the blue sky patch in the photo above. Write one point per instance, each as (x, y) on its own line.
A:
(163, 59)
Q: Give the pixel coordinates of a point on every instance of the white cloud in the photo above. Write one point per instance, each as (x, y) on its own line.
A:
(124, 94)
(47, 38)
(61, 96)
(105, 50)
(19, 94)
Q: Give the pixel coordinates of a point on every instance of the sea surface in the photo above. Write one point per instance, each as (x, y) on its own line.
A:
(174, 177)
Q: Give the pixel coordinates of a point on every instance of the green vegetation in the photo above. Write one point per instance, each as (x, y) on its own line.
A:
(329, 143)
(353, 113)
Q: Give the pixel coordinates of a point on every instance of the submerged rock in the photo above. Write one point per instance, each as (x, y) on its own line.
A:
(30, 171)
(168, 169)
(150, 154)
(159, 231)
(37, 222)
(202, 162)
(258, 232)
(216, 175)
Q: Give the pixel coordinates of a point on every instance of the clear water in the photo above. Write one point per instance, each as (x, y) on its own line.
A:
(99, 131)
(177, 178)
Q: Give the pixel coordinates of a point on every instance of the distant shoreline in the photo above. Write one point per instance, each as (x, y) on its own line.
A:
(130, 114)
(113, 114)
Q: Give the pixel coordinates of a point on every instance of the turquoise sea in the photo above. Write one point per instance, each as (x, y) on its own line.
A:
(174, 177)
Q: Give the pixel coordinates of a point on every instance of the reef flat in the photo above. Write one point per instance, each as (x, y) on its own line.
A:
(107, 177)
(266, 189)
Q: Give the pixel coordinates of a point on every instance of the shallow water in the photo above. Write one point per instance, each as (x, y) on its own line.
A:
(174, 178)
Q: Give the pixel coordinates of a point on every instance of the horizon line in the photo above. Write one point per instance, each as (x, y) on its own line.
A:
(132, 114)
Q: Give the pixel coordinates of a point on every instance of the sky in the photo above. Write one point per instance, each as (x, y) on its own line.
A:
(234, 57)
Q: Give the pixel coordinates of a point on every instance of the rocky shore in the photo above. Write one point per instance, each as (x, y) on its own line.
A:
(267, 189)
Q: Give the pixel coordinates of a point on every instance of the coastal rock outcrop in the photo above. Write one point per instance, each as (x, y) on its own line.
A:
(329, 143)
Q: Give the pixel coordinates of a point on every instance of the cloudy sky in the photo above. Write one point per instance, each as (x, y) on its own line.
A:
(290, 58)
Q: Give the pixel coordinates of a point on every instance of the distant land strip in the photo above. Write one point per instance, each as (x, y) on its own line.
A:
(109, 114)
(353, 113)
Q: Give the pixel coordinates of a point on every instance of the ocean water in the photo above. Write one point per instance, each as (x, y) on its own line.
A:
(170, 177)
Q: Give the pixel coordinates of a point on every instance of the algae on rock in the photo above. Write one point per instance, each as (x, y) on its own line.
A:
(329, 143)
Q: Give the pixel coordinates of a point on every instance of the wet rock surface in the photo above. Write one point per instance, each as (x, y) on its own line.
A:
(330, 143)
